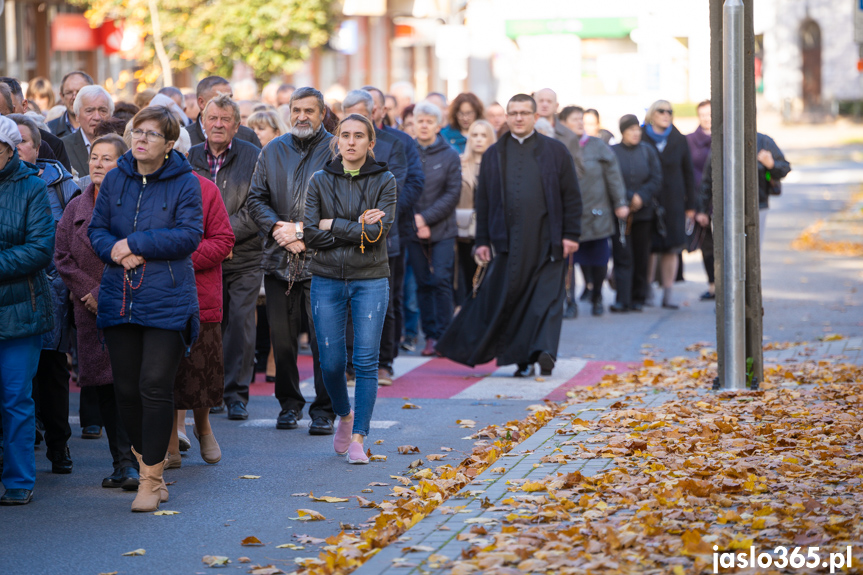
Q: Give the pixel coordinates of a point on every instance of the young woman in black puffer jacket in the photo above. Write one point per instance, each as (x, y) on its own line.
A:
(350, 207)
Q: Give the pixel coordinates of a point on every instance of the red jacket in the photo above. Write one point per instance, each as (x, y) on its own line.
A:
(216, 244)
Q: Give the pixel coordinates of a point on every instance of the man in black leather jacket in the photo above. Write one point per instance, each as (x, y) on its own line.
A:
(277, 199)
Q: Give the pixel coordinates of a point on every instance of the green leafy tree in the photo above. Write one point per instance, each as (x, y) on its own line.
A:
(271, 36)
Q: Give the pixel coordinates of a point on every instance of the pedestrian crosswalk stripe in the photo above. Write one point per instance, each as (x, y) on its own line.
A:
(381, 424)
(502, 383)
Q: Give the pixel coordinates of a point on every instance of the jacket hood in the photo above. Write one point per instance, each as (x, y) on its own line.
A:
(175, 165)
(16, 169)
(53, 172)
(336, 167)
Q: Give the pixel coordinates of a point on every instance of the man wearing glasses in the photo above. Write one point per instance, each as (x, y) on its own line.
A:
(528, 211)
(69, 88)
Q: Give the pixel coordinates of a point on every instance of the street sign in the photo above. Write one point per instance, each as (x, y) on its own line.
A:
(858, 21)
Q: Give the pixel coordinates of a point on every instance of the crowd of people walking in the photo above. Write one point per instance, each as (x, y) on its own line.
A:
(138, 240)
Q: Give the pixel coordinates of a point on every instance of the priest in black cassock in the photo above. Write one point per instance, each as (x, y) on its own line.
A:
(528, 222)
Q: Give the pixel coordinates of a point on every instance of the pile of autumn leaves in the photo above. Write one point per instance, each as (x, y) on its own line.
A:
(780, 466)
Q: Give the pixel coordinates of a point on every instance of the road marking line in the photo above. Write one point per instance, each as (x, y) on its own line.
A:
(502, 383)
(382, 424)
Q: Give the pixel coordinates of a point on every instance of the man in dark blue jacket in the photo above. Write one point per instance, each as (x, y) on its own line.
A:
(528, 219)
(408, 194)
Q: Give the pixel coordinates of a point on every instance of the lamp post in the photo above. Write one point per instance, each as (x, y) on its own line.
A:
(734, 180)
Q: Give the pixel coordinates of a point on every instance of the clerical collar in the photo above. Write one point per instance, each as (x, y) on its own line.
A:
(521, 140)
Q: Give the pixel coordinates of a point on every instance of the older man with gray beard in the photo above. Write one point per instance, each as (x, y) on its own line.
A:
(277, 200)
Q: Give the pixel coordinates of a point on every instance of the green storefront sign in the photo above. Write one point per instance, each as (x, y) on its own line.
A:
(582, 27)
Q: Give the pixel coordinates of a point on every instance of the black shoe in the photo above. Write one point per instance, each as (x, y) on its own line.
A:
(130, 479)
(637, 306)
(667, 305)
(570, 311)
(618, 308)
(707, 296)
(218, 409)
(586, 295)
(91, 432)
(597, 309)
(287, 419)
(546, 363)
(525, 370)
(321, 426)
(61, 462)
(125, 478)
(270, 378)
(40, 432)
(409, 344)
(16, 497)
(113, 481)
(237, 411)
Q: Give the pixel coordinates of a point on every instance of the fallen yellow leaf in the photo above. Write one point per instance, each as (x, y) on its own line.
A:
(134, 553)
(290, 546)
(166, 512)
(328, 499)
(410, 406)
(251, 541)
(250, 476)
(377, 458)
(215, 560)
(307, 515)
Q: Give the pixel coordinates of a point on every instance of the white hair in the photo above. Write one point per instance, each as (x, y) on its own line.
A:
(426, 108)
(183, 143)
(404, 88)
(92, 92)
(355, 97)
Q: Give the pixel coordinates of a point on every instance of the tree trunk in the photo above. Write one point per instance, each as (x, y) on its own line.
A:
(167, 75)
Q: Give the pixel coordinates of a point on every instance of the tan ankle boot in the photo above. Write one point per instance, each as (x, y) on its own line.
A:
(151, 486)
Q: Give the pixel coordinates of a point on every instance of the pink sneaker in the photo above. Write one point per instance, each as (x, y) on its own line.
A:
(342, 437)
(356, 454)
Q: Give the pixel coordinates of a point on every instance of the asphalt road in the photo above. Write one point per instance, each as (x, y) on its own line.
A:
(75, 526)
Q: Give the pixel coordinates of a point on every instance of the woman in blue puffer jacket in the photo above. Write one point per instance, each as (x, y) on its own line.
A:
(26, 309)
(147, 222)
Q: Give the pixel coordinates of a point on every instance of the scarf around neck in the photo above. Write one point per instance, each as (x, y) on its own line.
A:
(659, 137)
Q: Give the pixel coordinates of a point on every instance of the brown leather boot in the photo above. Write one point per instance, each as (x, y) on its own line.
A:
(151, 486)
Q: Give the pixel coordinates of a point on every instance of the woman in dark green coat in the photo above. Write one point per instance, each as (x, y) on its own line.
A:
(26, 309)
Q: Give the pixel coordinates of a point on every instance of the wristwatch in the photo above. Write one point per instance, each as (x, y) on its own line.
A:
(299, 230)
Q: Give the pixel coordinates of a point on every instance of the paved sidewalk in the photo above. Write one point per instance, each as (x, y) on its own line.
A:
(845, 350)
(422, 549)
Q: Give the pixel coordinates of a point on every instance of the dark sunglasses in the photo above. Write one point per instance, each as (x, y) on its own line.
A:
(664, 111)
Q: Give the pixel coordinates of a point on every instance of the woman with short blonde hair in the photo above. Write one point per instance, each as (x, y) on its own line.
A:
(676, 199)
(268, 125)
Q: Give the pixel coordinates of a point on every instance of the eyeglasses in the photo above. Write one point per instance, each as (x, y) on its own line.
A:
(520, 114)
(664, 111)
(137, 134)
(470, 114)
(70, 94)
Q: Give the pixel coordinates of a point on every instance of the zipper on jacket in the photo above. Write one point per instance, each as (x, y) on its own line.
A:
(138, 206)
(170, 269)
(350, 211)
(32, 292)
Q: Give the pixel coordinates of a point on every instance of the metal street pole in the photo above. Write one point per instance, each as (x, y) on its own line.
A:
(733, 166)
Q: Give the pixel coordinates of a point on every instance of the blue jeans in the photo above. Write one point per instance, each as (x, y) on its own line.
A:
(19, 359)
(368, 300)
(411, 306)
(433, 268)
